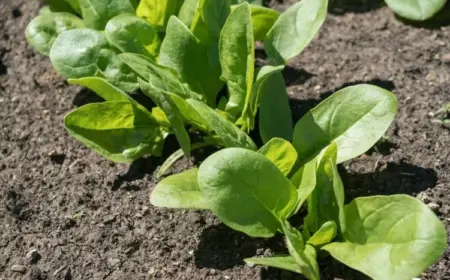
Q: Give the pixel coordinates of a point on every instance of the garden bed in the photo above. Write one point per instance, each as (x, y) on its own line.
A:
(89, 218)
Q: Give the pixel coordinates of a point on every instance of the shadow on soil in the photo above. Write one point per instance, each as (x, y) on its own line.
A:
(339, 7)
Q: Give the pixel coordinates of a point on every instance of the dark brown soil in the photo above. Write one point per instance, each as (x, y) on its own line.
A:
(89, 218)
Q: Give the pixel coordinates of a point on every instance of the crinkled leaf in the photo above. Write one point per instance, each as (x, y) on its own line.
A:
(130, 33)
(162, 77)
(416, 9)
(294, 30)
(324, 235)
(179, 191)
(275, 118)
(42, 31)
(227, 132)
(117, 130)
(173, 115)
(285, 262)
(97, 13)
(208, 20)
(102, 87)
(305, 256)
(83, 53)
(354, 118)
(180, 51)
(247, 119)
(390, 237)
(237, 58)
(262, 20)
(281, 153)
(158, 12)
(326, 202)
(246, 191)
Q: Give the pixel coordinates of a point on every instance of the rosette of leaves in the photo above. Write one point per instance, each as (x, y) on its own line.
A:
(199, 71)
(385, 237)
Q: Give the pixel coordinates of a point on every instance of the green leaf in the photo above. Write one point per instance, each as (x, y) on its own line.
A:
(167, 105)
(256, 2)
(281, 153)
(275, 118)
(189, 113)
(304, 179)
(158, 12)
(246, 191)
(228, 133)
(305, 256)
(97, 13)
(294, 30)
(262, 20)
(180, 50)
(187, 12)
(42, 31)
(102, 87)
(117, 130)
(179, 191)
(354, 118)
(75, 4)
(61, 6)
(83, 53)
(324, 235)
(390, 237)
(237, 58)
(130, 33)
(326, 202)
(416, 9)
(285, 262)
(208, 20)
(163, 78)
(247, 120)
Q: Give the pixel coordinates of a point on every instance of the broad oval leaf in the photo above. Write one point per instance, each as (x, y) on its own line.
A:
(416, 9)
(237, 58)
(158, 12)
(281, 153)
(227, 132)
(179, 191)
(187, 12)
(304, 179)
(80, 53)
(97, 13)
(294, 30)
(130, 33)
(246, 191)
(354, 118)
(180, 50)
(42, 31)
(326, 202)
(117, 130)
(275, 118)
(390, 237)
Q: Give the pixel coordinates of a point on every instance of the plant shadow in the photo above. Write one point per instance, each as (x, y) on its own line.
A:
(339, 7)
(138, 170)
(85, 96)
(441, 19)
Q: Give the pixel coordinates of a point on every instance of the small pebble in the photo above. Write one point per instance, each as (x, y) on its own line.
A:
(18, 268)
(227, 277)
(111, 262)
(433, 206)
(109, 219)
(446, 58)
(33, 256)
(151, 271)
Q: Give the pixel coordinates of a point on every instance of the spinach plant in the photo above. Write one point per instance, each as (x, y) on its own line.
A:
(256, 192)
(419, 10)
(195, 59)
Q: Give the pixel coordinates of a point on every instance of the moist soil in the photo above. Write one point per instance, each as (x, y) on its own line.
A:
(89, 218)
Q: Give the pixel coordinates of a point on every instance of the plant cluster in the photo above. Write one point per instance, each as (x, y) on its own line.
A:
(256, 192)
(195, 60)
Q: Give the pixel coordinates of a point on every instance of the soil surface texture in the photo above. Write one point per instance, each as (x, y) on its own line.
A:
(66, 213)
